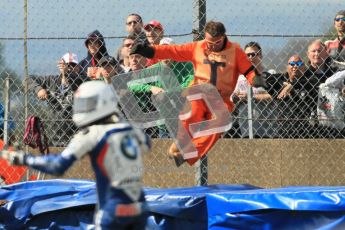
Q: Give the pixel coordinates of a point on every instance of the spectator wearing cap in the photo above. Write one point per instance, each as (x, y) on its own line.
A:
(108, 67)
(134, 26)
(336, 47)
(58, 91)
(154, 33)
(96, 49)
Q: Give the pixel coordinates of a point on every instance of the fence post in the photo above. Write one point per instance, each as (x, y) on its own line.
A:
(26, 79)
(6, 108)
(199, 22)
(250, 111)
(199, 19)
(26, 68)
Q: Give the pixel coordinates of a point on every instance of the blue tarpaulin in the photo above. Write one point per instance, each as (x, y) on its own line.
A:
(70, 204)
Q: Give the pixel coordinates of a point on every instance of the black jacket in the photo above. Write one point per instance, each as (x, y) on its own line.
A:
(86, 62)
(60, 98)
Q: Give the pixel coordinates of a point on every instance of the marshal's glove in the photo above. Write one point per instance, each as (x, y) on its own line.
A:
(13, 157)
(143, 49)
(259, 81)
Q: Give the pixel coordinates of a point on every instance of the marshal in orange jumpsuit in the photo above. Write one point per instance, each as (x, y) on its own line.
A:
(218, 68)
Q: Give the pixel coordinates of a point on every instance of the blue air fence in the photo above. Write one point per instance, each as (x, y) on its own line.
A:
(39, 33)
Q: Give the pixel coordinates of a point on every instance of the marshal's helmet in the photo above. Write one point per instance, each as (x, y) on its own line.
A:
(93, 101)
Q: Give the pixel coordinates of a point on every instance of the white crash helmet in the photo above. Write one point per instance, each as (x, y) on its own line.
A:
(93, 101)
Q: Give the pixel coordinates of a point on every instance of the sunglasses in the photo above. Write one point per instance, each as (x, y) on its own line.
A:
(219, 41)
(251, 55)
(128, 44)
(132, 22)
(298, 63)
(339, 19)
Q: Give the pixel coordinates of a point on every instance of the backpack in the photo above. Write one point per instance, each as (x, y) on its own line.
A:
(34, 132)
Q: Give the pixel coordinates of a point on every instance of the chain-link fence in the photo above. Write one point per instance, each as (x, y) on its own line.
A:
(293, 105)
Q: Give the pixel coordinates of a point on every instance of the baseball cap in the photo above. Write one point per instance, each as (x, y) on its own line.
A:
(70, 58)
(107, 60)
(166, 41)
(153, 23)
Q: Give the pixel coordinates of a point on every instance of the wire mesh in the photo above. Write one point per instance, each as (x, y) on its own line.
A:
(310, 119)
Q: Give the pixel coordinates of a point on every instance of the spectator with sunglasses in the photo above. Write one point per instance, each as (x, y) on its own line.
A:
(135, 27)
(291, 99)
(263, 126)
(58, 91)
(216, 61)
(123, 52)
(336, 47)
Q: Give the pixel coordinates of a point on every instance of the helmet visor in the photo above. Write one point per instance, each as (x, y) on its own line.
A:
(85, 104)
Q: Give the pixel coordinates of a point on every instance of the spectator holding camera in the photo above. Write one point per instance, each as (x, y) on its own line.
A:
(58, 91)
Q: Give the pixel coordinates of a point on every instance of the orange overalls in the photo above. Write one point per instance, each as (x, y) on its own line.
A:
(218, 68)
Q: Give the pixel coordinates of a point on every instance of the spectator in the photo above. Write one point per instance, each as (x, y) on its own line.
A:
(108, 67)
(137, 62)
(115, 149)
(154, 33)
(134, 26)
(216, 61)
(123, 54)
(182, 70)
(336, 47)
(263, 110)
(319, 70)
(319, 62)
(96, 49)
(135, 30)
(291, 99)
(58, 91)
(331, 105)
